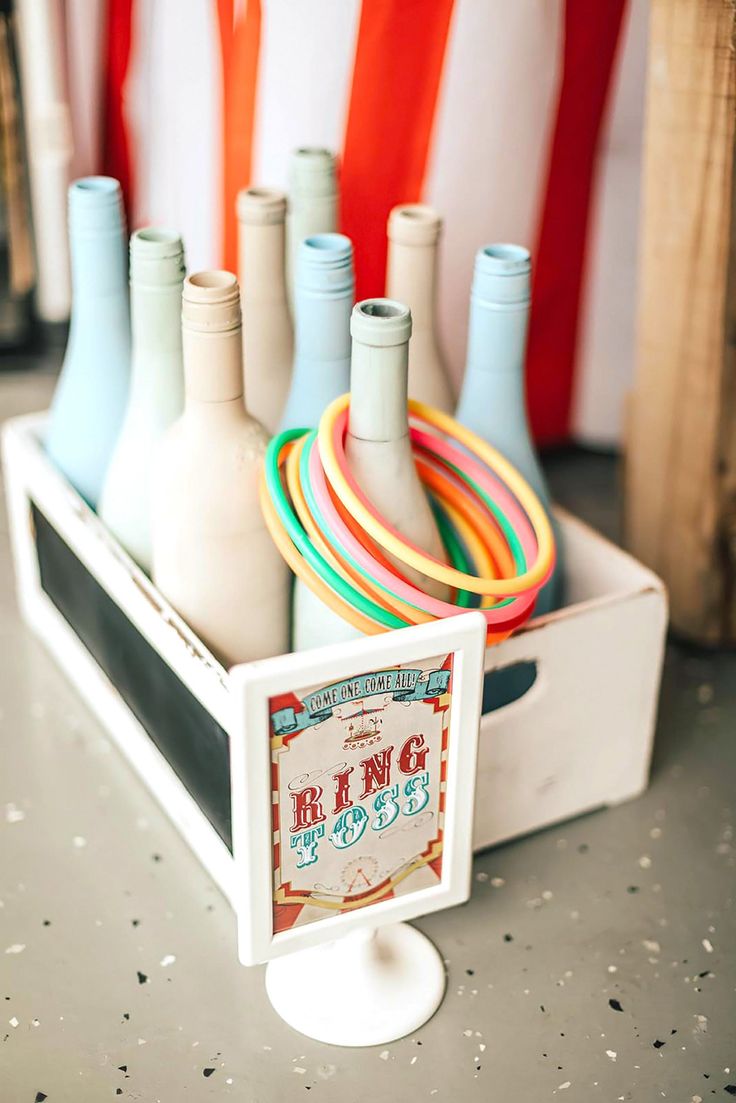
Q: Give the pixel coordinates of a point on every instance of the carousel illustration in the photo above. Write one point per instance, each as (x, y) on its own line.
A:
(363, 727)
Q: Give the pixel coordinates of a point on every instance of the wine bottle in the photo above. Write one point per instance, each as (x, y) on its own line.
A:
(268, 339)
(213, 557)
(492, 401)
(156, 395)
(379, 453)
(90, 398)
(414, 233)
(325, 286)
(312, 202)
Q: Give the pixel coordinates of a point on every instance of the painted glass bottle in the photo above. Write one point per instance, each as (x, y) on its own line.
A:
(325, 286)
(379, 453)
(492, 401)
(268, 339)
(312, 202)
(411, 277)
(90, 398)
(156, 396)
(213, 557)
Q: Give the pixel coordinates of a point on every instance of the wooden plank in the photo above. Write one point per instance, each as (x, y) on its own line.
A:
(681, 445)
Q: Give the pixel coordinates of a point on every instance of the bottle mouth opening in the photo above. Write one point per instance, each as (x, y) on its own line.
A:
(329, 243)
(381, 323)
(312, 173)
(158, 236)
(263, 193)
(382, 308)
(316, 152)
(517, 254)
(324, 264)
(211, 302)
(156, 257)
(99, 184)
(261, 206)
(213, 280)
(95, 206)
(414, 224)
(418, 212)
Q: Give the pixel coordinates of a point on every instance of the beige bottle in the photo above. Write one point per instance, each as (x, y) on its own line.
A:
(268, 338)
(379, 452)
(414, 233)
(212, 555)
(312, 202)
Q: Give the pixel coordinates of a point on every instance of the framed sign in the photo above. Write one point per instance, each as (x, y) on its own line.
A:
(353, 783)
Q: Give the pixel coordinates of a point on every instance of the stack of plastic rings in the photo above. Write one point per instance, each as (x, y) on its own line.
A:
(496, 534)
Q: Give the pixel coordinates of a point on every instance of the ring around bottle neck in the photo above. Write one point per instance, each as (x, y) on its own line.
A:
(156, 258)
(312, 173)
(502, 275)
(95, 206)
(414, 224)
(261, 206)
(324, 265)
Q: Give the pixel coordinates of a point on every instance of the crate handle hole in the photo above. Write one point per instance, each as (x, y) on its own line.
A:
(503, 687)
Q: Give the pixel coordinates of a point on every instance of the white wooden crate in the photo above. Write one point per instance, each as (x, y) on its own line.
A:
(580, 738)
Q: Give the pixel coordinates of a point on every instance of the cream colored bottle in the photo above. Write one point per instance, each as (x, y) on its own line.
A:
(414, 232)
(268, 338)
(313, 202)
(379, 453)
(156, 396)
(212, 555)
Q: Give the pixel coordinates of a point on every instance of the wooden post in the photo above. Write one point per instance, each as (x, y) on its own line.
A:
(681, 441)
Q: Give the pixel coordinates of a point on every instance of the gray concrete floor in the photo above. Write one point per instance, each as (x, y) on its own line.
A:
(595, 960)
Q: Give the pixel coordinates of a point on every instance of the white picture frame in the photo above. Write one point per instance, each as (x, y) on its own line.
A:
(255, 686)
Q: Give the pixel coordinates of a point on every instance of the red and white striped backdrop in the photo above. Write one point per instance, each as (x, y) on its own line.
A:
(519, 121)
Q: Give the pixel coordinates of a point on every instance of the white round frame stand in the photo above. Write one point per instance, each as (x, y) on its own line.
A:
(368, 988)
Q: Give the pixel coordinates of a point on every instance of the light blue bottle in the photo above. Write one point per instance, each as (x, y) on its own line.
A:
(323, 301)
(91, 395)
(492, 401)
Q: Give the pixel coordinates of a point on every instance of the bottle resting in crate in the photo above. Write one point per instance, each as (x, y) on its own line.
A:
(313, 202)
(379, 453)
(325, 287)
(156, 397)
(268, 339)
(213, 557)
(92, 392)
(492, 401)
(411, 277)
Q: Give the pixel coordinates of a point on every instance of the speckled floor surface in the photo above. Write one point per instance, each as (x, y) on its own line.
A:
(595, 960)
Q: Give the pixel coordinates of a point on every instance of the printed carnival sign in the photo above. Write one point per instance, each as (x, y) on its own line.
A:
(359, 779)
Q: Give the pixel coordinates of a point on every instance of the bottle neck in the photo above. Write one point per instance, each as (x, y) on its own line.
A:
(212, 340)
(213, 368)
(261, 262)
(99, 264)
(323, 299)
(499, 310)
(156, 327)
(97, 239)
(311, 176)
(412, 279)
(321, 328)
(379, 392)
(497, 337)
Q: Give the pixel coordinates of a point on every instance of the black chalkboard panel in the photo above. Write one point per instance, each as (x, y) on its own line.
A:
(194, 744)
